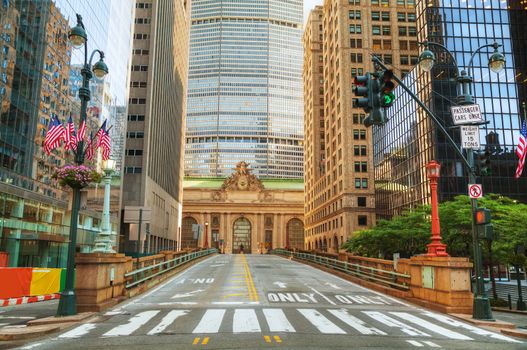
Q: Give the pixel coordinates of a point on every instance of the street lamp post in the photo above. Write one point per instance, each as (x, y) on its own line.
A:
(436, 248)
(481, 307)
(519, 250)
(78, 38)
(206, 244)
(103, 243)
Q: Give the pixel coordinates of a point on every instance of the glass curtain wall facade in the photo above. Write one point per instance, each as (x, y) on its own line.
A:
(245, 88)
(409, 141)
(39, 78)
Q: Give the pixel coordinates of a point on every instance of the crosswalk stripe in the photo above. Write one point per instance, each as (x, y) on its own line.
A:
(415, 343)
(431, 344)
(167, 321)
(430, 326)
(277, 321)
(133, 324)
(354, 322)
(391, 322)
(78, 332)
(210, 322)
(472, 329)
(245, 321)
(321, 322)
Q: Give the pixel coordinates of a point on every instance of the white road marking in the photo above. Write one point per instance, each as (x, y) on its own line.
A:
(178, 303)
(245, 321)
(133, 324)
(277, 321)
(116, 312)
(78, 331)
(391, 322)
(235, 303)
(332, 285)
(210, 322)
(323, 296)
(431, 344)
(188, 294)
(280, 284)
(167, 321)
(354, 322)
(17, 317)
(32, 346)
(430, 326)
(415, 343)
(321, 322)
(479, 331)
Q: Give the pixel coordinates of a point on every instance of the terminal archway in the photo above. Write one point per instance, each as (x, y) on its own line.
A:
(187, 236)
(241, 236)
(295, 232)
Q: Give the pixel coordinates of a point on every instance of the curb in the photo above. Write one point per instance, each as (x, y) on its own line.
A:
(27, 300)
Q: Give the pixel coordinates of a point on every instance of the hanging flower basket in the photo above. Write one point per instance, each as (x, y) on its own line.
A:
(76, 176)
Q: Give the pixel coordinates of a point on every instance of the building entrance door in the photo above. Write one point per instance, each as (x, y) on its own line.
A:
(241, 236)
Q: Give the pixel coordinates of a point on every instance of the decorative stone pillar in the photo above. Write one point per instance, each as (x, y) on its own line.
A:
(228, 234)
(100, 280)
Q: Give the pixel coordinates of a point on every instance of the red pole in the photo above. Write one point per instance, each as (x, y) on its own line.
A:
(436, 248)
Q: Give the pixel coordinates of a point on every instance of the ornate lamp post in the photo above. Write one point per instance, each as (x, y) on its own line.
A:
(481, 308)
(436, 248)
(103, 243)
(519, 252)
(206, 244)
(78, 38)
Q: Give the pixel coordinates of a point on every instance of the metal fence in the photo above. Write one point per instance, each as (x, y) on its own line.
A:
(384, 277)
(144, 274)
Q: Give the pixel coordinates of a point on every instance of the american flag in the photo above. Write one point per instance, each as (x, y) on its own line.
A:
(81, 133)
(521, 150)
(89, 148)
(100, 133)
(54, 135)
(104, 142)
(69, 135)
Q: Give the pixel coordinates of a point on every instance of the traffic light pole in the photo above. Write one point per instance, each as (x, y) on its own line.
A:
(481, 307)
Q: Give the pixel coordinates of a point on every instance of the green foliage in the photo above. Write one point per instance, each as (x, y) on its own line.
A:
(408, 234)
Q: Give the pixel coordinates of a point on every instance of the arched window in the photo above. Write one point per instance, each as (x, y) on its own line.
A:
(295, 232)
(187, 236)
(241, 236)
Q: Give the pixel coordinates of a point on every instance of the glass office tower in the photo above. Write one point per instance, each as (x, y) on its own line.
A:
(409, 140)
(245, 88)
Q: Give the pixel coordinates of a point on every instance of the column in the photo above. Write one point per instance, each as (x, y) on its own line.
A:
(255, 234)
(228, 234)
(201, 222)
(276, 233)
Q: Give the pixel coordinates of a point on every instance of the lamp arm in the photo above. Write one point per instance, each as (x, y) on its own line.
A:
(495, 45)
(101, 56)
(427, 43)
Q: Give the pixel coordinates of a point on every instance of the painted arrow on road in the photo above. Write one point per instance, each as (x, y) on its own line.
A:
(280, 284)
(332, 285)
(189, 294)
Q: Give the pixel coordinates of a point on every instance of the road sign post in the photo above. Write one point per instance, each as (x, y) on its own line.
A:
(470, 137)
(469, 114)
(475, 191)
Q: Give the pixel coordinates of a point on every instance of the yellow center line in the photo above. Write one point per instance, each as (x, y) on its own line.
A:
(277, 338)
(205, 341)
(247, 282)
(267, 338)
(250, 284)
(196, 341)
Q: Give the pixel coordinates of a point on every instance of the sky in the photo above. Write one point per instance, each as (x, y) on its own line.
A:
(309, 5)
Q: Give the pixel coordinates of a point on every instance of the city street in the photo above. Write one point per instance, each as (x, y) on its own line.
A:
(263, 301)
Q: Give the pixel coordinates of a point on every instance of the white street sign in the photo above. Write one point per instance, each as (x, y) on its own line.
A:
(475, 191)
(470, 114)
(470, 136)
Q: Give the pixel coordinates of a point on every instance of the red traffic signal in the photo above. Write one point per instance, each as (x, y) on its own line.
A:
(482, 216)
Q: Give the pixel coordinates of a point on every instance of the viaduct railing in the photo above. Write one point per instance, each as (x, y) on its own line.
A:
(377, 271)
(155, 268)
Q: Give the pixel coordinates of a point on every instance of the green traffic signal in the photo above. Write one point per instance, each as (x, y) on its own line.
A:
(387, 99)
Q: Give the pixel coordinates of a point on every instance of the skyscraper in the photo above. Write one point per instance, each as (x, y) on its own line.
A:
(156, 118)
(339, 192)
(245, 88)
(409, 140)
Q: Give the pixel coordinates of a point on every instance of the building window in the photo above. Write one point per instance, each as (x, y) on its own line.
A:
(357, 167)
(411, 17)
(362, 150)
(357, 182)
(361, 201)
(363, 134)
(403, 45)
(385, 16)
(375, 16)
(376, 30)
(140, 36)
(377, 44)
(412, 31)
(364, 183)
(356, 58)
(388, 59)
(363, 220)
(402, 31)
(401, 17)
(133, 170)
(386, 30)
(136, 118)
(404, 60)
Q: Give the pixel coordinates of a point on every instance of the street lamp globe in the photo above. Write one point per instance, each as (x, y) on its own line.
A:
(100, 69)
(109, 165)
(77, 36)
(426, 60)
(496, 61)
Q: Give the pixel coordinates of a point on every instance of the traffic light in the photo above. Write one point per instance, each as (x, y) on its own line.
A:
(484, 227)
(386, 95)
(483, 163)
(363, 89)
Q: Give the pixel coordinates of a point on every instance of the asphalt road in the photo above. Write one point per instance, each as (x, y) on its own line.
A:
(263, 301)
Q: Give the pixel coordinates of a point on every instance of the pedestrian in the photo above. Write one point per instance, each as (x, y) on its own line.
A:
(241, 248)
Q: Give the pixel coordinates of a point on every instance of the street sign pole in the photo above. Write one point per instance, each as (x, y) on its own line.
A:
(139, 235)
